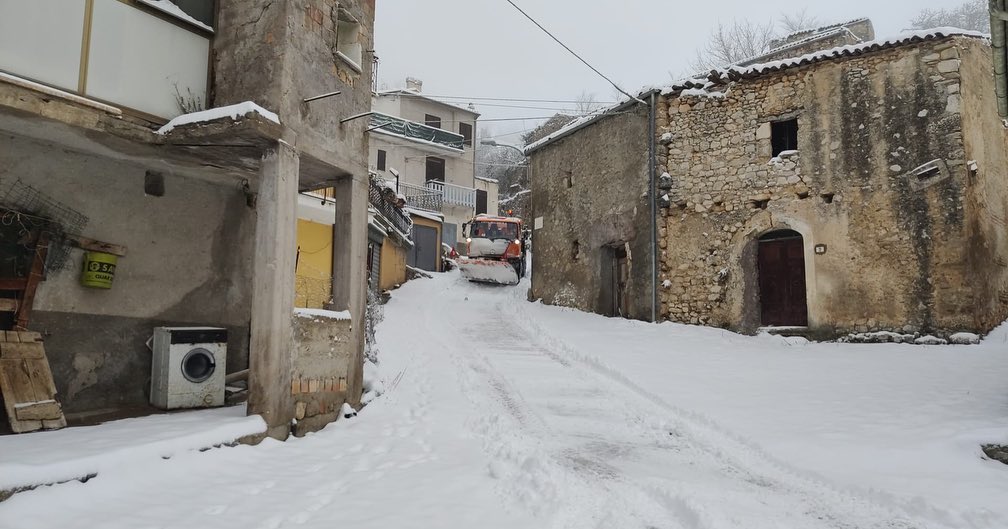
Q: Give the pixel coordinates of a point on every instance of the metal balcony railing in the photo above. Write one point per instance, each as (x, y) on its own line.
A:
(397, 217)
(422, 197)
(416, 131)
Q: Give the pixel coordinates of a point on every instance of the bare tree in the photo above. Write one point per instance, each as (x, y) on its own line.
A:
(798, 21)
(585, 103)
(730, 43)
(972, 14)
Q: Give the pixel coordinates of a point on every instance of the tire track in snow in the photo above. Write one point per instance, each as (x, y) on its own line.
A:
(752, 463)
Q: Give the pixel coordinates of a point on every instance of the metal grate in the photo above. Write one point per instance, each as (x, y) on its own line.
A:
(22, 203)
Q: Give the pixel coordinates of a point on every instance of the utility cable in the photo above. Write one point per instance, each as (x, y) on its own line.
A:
(558, 41)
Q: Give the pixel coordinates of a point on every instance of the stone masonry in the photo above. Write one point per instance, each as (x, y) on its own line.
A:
(895, 232)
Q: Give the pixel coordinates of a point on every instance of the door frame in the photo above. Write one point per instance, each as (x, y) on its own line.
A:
(777, 236)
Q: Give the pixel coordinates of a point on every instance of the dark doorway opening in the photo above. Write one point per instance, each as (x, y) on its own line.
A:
(614, 281)
(781, 270)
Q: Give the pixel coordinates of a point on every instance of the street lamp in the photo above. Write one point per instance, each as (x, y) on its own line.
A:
(492, 143)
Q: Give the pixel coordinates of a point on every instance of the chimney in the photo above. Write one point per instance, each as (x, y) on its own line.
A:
(414, 84)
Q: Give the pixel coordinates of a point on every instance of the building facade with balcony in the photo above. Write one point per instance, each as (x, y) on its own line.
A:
(425, 147)
(177, 136)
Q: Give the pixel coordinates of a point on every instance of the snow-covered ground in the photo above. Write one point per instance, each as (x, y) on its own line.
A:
(503, 413)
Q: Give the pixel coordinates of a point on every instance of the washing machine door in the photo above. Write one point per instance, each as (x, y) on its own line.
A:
(198, 365)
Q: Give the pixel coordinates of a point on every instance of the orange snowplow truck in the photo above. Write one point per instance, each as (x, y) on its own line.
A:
(495, 250)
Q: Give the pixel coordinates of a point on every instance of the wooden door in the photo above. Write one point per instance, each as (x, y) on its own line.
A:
(781, 269)
(621, 276)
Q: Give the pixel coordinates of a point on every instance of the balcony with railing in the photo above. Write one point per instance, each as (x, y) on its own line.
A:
(146, 55)
(434, 195)
(417, 132)
(377, 196)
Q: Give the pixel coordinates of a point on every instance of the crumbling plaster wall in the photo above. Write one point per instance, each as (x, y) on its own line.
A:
(986, 140)
(187, 263)
(590, 189)
(895, 255)
(322, 354)
(270, 51)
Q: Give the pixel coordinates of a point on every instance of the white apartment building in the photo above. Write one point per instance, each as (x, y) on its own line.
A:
(426, 147)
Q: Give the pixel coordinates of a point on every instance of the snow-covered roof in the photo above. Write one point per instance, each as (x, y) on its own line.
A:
(234, 112)
(811, 35)
(485, 179)
(734, 73)
(705, 86)
(586, 120)
(410, 92)
(429, 215)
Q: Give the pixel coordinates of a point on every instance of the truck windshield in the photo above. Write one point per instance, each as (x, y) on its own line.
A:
(485, 229)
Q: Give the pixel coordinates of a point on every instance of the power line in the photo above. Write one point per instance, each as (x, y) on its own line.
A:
(594, 69)
(507, 99)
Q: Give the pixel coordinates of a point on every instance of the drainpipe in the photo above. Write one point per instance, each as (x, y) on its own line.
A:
(653, 198)
(999, 35)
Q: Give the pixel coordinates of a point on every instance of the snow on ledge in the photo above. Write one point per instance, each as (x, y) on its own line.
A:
(171, 9)
(234, 112)
(343, 315)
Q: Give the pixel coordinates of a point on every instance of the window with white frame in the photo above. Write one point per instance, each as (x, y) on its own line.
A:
(348, 46)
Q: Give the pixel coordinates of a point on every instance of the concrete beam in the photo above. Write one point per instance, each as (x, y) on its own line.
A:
(273, 291)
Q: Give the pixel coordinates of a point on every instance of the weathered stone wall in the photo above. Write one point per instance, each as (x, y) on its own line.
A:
(319, 368)
(986, 143)
(895, 254)
(590, 190)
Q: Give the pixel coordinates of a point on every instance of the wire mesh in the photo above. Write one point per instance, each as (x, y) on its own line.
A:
(24, 204)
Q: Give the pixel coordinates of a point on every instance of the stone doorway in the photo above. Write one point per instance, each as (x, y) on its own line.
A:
(615, 279)
(780, 266)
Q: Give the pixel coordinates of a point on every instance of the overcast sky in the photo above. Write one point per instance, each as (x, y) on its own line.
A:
(485, 48)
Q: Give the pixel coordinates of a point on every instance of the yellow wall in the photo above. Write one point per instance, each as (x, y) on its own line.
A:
(313, 283)
(393, 265)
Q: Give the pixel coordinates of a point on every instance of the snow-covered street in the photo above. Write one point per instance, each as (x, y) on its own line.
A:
(504, 413)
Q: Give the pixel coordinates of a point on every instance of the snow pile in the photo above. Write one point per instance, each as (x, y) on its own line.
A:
(964, 338)
(235, 112)
(72, 453)
(374, 385)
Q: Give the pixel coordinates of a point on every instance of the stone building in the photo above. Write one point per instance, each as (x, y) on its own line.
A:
(861, 188)
(202, 212)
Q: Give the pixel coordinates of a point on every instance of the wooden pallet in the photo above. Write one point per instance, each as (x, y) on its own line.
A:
(26, 382)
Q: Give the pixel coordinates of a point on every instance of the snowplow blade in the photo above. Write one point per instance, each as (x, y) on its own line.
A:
(487, 271)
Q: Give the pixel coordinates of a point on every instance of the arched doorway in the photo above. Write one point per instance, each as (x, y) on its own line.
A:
(781, 270)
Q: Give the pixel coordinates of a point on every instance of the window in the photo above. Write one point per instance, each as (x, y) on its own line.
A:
(435, 169)
(465, 129)
(348, 46)
(432, 121)
(784, 136)
(481, 201)
(381, 160)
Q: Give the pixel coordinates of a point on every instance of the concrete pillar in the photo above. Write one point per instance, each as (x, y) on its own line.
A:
(349, 270)
(273, 291)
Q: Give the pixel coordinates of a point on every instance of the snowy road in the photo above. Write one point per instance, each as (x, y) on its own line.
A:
(502, 413)
(583, 446)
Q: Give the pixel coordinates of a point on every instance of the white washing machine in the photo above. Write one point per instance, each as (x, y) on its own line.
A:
(188, 367)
